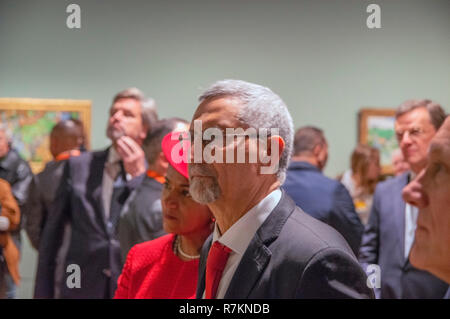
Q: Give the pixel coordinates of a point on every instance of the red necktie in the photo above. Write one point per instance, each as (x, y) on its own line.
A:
(217, 259)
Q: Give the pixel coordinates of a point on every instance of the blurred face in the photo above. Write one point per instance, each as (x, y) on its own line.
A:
(399, 164)
(414, 132)
(4, 146)
(431, 249)
(373, 171)
(181, 214)
(125, 119)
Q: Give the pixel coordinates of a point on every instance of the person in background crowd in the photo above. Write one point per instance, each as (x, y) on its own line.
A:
(319, 196)
(167, 267)
(362, 178)
(66, 139)
(94, 187)
(398, 163)
(430, 192)
(18, 174)
(389, 234)
(9, 254)
(141, 216)
(263, 246)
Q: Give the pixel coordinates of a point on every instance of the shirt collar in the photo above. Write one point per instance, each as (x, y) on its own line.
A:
(239, 235)
(113, 156)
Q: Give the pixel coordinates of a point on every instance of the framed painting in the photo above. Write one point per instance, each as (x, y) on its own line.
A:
(31, 120)
(376, 128)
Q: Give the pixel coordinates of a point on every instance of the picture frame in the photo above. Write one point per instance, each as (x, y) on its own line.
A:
(31, 120)
(376, 128)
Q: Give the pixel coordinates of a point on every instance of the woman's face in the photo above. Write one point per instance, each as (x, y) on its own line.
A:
(181, 214)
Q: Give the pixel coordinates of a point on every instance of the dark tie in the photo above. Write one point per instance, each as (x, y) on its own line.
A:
(217, 259)
(117, 199)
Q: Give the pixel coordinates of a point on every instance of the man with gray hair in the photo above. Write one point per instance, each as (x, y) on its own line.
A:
(319, 196)
(262, 246)
(389, 234)
(94, 187)
(141, 216)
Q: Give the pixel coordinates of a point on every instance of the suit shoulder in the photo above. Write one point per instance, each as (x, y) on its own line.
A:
(311, 235)
(392, 183)
(86, 158)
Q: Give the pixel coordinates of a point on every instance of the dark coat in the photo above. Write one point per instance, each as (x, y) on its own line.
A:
(325, 199)
(293, 255)
(94, 246)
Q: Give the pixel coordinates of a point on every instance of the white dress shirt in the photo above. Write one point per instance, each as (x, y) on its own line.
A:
(411, 213)
(239, 236)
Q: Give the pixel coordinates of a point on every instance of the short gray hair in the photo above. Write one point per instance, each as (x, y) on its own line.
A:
(148, 105)
(262, 108)
(435, 110)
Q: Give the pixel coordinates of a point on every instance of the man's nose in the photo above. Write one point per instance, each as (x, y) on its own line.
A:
(117, 115)
(406, 139)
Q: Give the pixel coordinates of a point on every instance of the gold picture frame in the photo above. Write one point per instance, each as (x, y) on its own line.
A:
(30, 121)
(376, 128)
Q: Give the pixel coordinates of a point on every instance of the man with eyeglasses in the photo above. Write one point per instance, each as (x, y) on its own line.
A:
(389, 234)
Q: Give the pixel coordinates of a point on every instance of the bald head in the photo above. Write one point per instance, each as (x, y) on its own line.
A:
(65, 136)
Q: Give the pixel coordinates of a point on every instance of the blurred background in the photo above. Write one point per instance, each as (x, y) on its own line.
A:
(319, 56)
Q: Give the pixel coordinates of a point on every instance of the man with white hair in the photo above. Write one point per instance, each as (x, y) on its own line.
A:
(263, 246)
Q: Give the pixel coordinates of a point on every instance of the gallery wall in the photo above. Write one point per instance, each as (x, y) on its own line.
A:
(319, 56)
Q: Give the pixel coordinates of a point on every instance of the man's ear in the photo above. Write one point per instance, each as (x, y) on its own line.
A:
(277, 141)
(163, 162)
(317, 149)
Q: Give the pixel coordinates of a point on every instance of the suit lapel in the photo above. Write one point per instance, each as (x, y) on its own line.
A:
(258, 253)
(94, 184)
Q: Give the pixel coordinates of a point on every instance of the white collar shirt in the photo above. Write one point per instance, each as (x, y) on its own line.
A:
(240, 234)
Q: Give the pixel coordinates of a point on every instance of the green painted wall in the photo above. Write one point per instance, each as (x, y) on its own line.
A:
(319, 56)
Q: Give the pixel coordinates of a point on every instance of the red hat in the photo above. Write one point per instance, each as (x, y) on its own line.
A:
(176, 147)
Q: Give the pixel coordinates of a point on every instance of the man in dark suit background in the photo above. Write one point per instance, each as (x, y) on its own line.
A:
(141, 216)
(94, 187)
(66, 140)
(263, 246)
(319, 196)
(389, 234)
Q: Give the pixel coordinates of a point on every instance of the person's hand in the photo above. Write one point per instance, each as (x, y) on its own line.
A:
(132, 156)
(413, 193)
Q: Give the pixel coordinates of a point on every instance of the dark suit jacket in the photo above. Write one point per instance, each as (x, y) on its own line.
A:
(325, 199)
(42, 193)
(94, 246)
(141, 216)
(383, 244)
(293, 255)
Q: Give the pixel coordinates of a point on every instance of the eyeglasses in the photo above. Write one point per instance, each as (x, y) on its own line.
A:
(414, 133)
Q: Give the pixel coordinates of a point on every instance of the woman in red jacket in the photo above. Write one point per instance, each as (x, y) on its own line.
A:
(167, 267)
